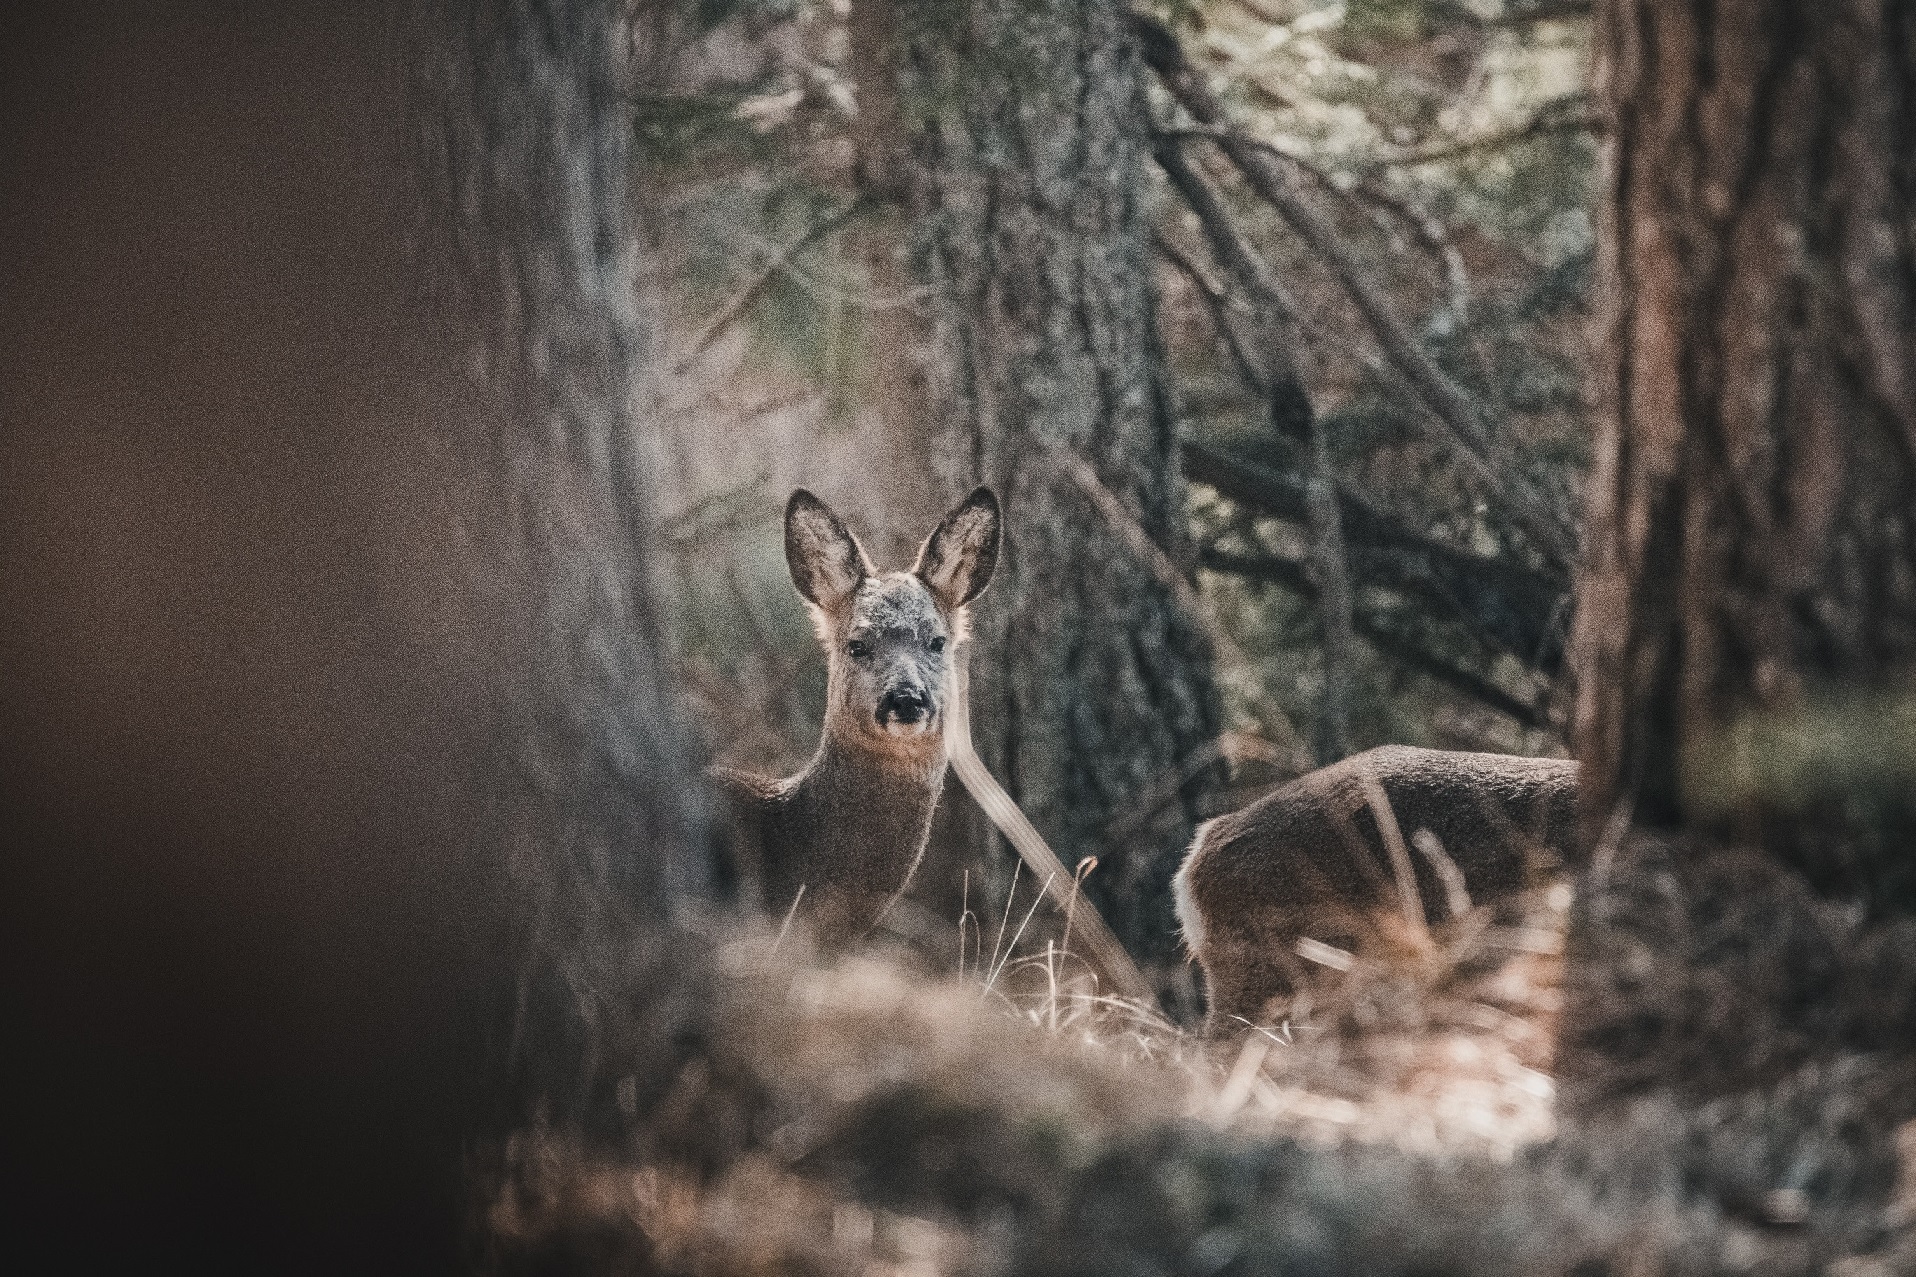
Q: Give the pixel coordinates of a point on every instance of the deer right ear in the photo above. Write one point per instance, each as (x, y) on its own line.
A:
(826, 561)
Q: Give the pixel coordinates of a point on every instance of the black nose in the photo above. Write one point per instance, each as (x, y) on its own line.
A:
(906, 704)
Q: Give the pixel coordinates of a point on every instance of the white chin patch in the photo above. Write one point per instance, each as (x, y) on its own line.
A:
(899, 727)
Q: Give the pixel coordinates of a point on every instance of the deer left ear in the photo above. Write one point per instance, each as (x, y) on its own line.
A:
(826, 561)
(957, 559)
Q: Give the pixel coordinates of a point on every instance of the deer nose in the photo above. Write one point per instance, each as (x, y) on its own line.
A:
(906, 704)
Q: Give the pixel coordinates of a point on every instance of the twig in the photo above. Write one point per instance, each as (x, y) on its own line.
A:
(1020, 934)
(1458, 418)
(741, 301)
(1051, 985)
(1104, 952)
(1237, 1087)
(1324, 955)
(1456, 890)
(1078, 876)
(1004, 920)
(790, 913)
(964, 915)
(1409, 900)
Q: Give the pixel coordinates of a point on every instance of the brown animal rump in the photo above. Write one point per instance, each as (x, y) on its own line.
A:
(1310, 860)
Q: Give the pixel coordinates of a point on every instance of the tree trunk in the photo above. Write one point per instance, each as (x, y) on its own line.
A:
(334, 685)
(1090, 686)
(1747, 604)
(598, 812)
(1750, 570)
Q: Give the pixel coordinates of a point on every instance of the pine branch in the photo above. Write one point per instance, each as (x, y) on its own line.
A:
(1456, 416)
(1296, 578)
(741, 301)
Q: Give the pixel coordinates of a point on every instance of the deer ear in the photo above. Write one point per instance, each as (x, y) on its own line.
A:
(957, 559)
(826, 561)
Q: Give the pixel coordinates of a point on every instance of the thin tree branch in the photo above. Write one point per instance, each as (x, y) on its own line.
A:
(1234, 663)
(1106, 954)
(1291, 412)
(1265, 172)
(1223, 316)
(1511, 607)
(1514, 16)
(1272, 362)
(1552, 117)
(740, 302)
(1544, 11)
(1296, 578)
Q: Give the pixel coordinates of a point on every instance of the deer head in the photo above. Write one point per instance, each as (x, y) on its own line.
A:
(889, 636)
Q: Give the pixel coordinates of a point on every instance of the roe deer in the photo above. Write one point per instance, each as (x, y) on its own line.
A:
(1310, 860)
(850, 828)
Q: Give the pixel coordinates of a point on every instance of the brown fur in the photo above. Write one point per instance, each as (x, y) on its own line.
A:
(850, 828)
(1307, 859)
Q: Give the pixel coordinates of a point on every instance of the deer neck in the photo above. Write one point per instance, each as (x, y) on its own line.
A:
(867, 773)
(870, 802)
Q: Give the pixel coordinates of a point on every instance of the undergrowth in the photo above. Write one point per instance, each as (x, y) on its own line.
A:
(1396, 1114)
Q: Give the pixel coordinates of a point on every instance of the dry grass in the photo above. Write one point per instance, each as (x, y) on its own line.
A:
(1438, 1047)
(1395, 1116)
(816, 1071)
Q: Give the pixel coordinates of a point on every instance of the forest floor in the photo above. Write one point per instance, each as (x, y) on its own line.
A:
(1438, 1048)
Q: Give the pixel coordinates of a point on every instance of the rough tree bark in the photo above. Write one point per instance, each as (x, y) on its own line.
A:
(601, 822)
(1752, 522)
(332, 674)
(1030, 137)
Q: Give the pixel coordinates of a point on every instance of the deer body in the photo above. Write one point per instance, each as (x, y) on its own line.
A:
(849, 829)
(1311, 858)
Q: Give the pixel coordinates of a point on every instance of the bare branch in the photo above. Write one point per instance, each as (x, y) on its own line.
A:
(1512, 608)
(1517, 15)
(1543, 11)
(1102, 947)
(1390, 642)
(728, 314)
(1271, 363)
(1291, 412)
(1567, 114)
(1223, 316)
(1266, 172)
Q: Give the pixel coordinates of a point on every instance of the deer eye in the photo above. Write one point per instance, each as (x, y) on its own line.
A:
(859, 647)
(938, 643)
